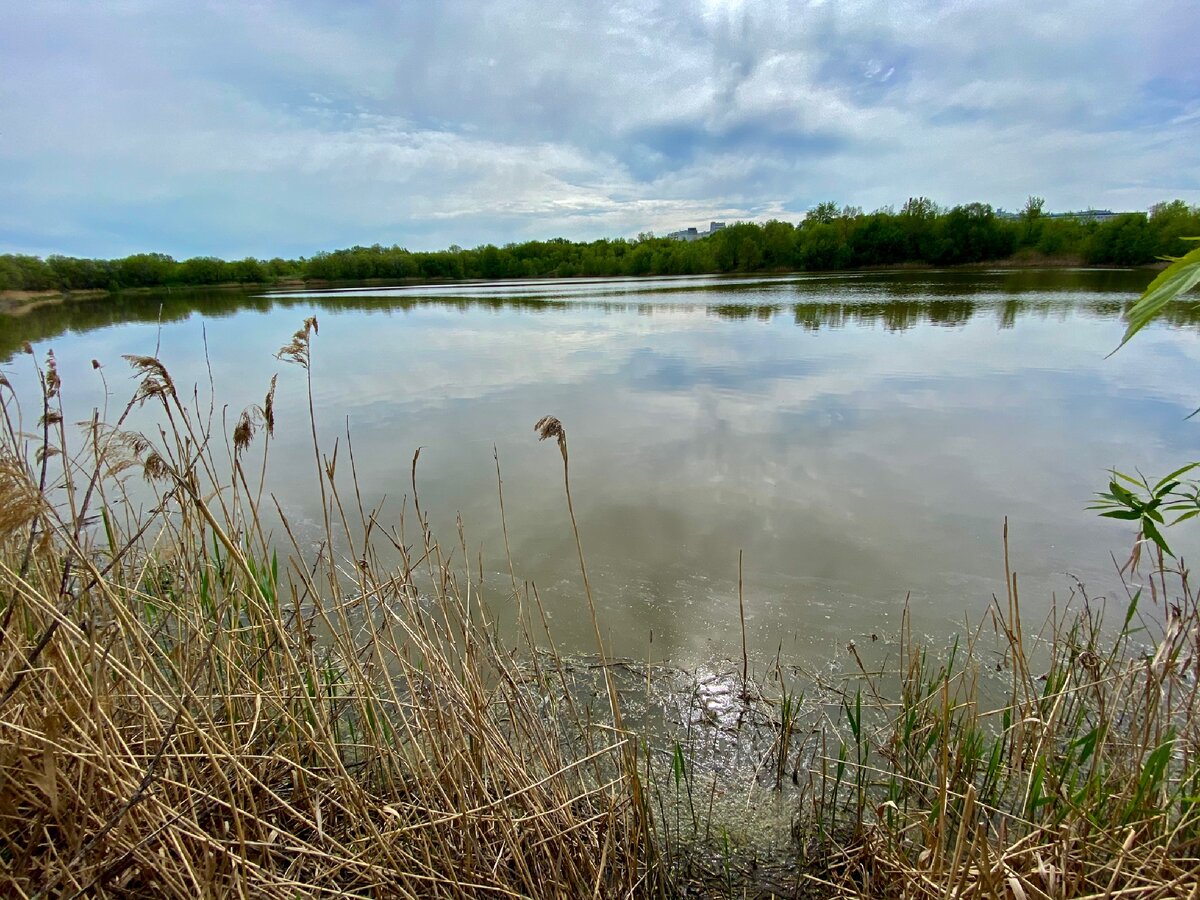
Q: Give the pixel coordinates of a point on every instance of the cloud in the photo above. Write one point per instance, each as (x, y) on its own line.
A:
(267, 128)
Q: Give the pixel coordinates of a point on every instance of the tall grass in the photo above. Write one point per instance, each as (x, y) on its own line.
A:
(194, 701)
(1057, 765)
(188, 708)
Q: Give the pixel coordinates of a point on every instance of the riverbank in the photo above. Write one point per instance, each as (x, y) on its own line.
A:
(18, 303)
(195, 701)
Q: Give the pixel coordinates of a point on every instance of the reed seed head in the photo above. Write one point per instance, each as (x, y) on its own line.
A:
(155, 468)
(122, 450)
(243, 432)
(155, 378)
(53, 381)
(20, 500)
(268, 408)
(549, 427)
(297, 349)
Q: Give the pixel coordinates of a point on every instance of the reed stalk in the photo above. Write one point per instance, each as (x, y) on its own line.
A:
(189, 709)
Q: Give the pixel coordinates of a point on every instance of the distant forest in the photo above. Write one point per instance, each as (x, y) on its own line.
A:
(829, 238)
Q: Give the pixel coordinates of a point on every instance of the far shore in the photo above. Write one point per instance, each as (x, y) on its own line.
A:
(19, 303)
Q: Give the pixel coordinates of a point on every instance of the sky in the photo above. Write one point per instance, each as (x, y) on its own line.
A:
(285, 128)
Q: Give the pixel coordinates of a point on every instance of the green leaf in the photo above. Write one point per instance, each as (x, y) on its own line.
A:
(1087, 744)
(1175, 474)
(1181, 276)
(1162, 490)
(1129, 514)
(1185, 500)
(1136, 482)
(1153, 534)
(108, 530)
(1156, 765)
(1123, 496)
(1131, 609)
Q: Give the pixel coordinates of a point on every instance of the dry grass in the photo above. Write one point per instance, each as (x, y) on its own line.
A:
(1058, 765)
(181, 715)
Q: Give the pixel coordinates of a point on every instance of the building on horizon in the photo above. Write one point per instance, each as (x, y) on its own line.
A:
(1085, 215)
(1082, 215)
(693, 234)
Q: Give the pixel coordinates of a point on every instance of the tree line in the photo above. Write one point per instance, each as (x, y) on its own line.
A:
(829, 238)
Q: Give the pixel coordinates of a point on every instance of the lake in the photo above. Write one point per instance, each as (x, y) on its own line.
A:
(859, 438)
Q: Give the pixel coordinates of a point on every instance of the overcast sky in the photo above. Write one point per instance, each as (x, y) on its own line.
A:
(260, 128)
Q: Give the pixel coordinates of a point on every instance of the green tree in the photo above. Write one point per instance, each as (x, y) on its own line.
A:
(1124, 241)
(749, 255)
(248, 270)
(25, 273)
(145, 270)
(1031, 221)
(822, 213)
(779, 245)
(918, 219)
(202, 270)
(822, 248)
(877, 240)
(1170, 224)
(972, 233)
(489, 262)
(1063, 236)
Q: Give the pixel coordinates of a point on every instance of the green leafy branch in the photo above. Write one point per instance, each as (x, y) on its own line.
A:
(1135, 499)
(1146, 504)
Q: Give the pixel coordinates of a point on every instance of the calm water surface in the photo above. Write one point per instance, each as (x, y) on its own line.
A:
(861, 438)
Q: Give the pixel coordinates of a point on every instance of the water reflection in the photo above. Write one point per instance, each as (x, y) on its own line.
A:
(894, 301)
(860, 437)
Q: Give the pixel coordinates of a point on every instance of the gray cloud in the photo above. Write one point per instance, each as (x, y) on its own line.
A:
(267, 128)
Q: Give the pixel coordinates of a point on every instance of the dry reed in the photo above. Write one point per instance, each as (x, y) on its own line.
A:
(1060, 765)
(183, 715)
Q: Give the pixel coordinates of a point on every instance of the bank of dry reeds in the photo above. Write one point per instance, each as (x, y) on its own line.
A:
(192, 708)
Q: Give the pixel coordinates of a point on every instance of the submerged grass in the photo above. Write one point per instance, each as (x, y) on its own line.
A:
(1059, 765)
(196, 703)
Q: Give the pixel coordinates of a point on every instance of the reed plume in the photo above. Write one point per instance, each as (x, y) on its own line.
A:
(297, 349)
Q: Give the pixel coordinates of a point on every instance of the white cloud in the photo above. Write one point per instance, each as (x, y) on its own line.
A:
(289, 127)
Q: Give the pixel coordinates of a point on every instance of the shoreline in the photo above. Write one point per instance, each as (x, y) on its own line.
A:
(19, 303)
(16, 303)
